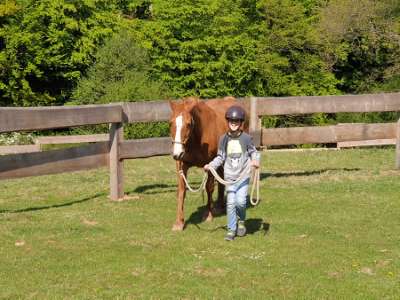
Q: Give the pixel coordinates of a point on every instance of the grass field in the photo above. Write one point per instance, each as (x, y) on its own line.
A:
(327, 227)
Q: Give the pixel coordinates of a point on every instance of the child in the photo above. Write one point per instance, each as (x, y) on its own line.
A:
(236, 151)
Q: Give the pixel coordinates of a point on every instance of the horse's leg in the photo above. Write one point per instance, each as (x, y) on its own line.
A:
(220, 205)
(180, 216)
(210, 189)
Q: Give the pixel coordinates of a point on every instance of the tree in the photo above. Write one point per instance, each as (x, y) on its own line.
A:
(48, 45)
(122, 72)
(362, 42)
(204, 47)
(289, 54)
(7, 9)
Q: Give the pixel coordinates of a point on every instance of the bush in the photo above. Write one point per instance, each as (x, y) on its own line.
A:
(46, 45)
(122, 72)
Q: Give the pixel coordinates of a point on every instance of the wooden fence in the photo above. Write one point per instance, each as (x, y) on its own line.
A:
(112, 149)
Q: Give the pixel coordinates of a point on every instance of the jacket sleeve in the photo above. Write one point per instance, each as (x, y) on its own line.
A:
(221, 154)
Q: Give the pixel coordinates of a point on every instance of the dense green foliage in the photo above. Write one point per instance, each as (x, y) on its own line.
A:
(46, 45)
(97, 51)
(289, 56)
(205, 48)
(121, 73)
(362, 43)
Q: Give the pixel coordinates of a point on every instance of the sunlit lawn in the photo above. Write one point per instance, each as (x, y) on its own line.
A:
(327, 228)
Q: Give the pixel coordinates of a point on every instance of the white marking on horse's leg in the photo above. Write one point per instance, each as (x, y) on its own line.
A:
(178, 148)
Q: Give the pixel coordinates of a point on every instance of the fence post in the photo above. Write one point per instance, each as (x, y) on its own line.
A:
(255, 122)
(398, 145)
(116, 165)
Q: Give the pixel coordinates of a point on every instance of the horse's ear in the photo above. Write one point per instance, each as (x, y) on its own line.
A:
(172, 104)
(189, 102)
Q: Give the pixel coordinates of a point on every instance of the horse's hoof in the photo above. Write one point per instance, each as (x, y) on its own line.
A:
(177, 227)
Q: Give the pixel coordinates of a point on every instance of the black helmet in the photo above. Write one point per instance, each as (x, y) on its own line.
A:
(235, 113)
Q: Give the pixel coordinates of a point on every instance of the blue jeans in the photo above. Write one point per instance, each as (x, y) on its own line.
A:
(236, 196)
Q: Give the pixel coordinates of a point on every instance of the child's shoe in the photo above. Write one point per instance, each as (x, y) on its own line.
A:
(241, 229)
(230, 236)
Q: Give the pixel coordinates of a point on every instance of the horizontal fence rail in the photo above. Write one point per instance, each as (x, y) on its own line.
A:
(13, 149)
(327, 134)
(327, 104)
(39, 118)
(145, 148)
(53, 140)
(366, 143)
(152, 111)
(72, 139)
(54, 161)
(148, 111)
(111, 149)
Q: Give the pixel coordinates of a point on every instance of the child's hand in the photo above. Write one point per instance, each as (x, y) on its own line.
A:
(255, 164)
(206, 168)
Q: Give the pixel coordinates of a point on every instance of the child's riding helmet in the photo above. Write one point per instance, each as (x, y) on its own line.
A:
(235, 113)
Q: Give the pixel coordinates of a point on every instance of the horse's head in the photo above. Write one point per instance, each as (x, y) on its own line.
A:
(181, 126)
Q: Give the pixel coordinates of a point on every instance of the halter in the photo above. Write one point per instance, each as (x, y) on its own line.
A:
(179, 143)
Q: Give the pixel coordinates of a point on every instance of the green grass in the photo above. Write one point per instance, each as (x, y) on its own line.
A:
(327, 228)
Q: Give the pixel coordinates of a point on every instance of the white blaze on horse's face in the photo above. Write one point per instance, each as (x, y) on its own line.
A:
(178, 144)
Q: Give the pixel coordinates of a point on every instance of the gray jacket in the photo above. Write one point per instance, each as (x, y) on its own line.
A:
(235, 153)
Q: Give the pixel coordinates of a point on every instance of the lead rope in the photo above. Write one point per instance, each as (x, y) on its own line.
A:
(201, 187)
(256, 184)
(255, 179)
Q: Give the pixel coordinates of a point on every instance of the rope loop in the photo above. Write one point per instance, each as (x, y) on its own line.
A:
(193, 190)
(255, 179)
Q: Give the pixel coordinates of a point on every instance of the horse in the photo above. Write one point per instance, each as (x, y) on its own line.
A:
(195, 129)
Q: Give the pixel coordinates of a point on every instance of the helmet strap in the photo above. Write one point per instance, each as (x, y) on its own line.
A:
(235, 134)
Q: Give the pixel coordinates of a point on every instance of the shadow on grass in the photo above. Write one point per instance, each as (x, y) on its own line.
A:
(156, 188)
(252, 225)
(197, 217)
(55, 205)
(160, 188)
(255, 225)
(305, 173)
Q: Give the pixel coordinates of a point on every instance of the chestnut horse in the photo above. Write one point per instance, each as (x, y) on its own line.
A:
(195, 129)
